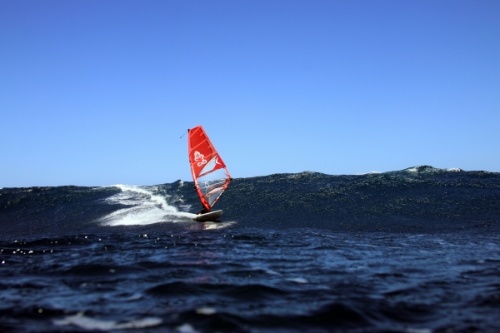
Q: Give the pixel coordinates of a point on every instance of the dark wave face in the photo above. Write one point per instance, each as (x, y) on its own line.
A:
(422, 199)
(416, 250)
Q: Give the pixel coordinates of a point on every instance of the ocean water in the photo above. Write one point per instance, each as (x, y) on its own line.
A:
(416, 250)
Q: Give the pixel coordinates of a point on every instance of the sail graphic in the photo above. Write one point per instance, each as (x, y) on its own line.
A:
(210, 175)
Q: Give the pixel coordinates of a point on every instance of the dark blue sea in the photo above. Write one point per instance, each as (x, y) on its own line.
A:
(416, 250)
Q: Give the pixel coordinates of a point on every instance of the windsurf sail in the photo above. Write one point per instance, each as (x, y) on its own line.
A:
(210, 175)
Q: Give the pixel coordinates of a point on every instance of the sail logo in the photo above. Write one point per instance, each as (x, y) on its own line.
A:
(199, 158)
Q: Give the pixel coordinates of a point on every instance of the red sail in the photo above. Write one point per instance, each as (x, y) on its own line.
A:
(210, 175)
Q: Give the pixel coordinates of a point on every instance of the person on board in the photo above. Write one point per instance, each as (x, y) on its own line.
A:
(204, 211)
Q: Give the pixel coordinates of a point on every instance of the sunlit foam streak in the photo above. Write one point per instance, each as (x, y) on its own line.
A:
(211, 225)
(145, 207)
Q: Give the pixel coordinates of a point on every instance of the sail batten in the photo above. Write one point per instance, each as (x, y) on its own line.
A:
(209, 172)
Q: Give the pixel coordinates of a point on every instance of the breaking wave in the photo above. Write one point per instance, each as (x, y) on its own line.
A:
(142, 206)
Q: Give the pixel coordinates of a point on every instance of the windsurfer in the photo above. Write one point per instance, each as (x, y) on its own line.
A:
(210, 175)
(204, 211)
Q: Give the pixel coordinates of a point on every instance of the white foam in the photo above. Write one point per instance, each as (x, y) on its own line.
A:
(145, 207)
(207, 311)
(186, 328)
(210, 225)
(369, 173)
(298, 280)
(88, 323)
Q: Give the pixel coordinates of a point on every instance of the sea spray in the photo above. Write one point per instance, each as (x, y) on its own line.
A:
(143, 207)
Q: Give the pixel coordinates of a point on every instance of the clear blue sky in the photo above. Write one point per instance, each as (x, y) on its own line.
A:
(99, 92)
